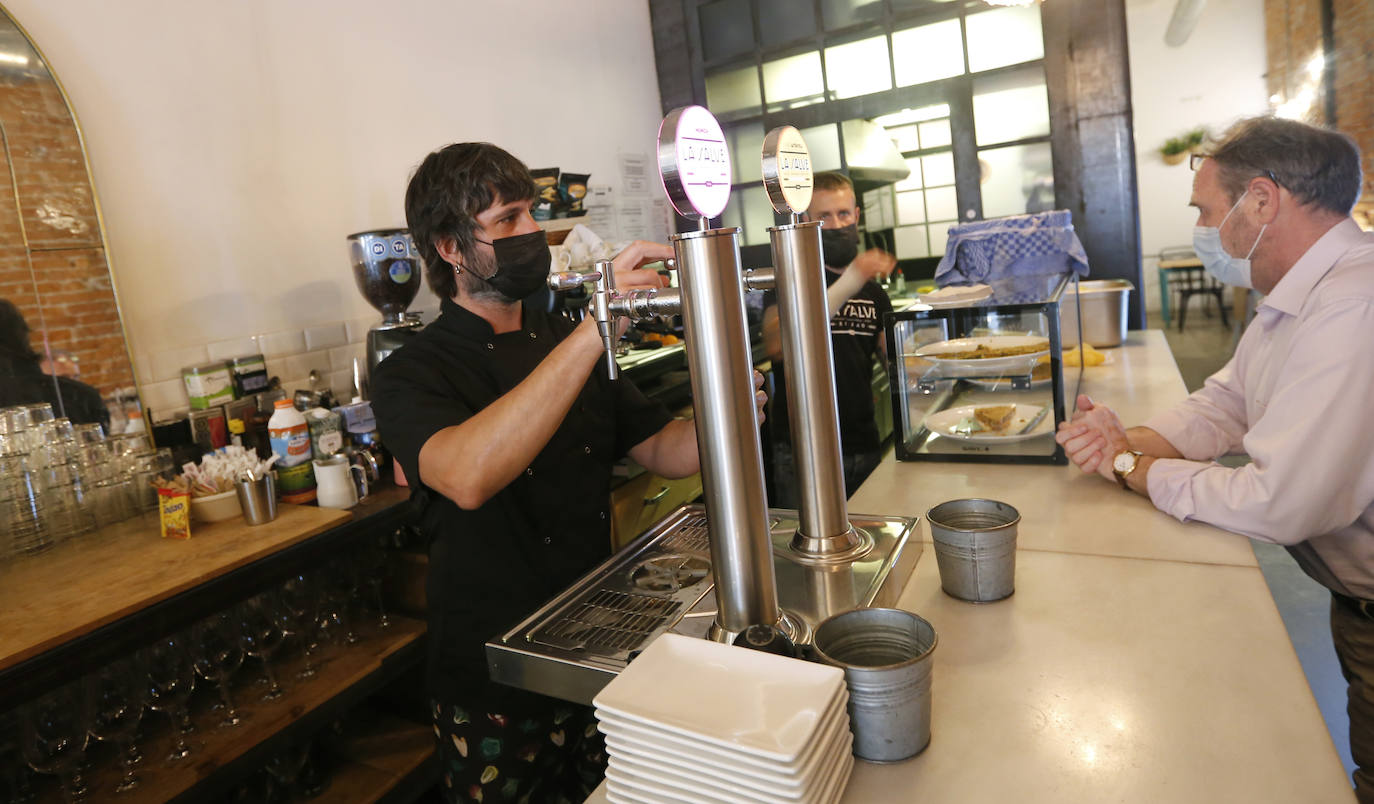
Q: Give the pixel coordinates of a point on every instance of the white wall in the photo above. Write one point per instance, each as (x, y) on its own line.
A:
(235, 144)
(1214, 79)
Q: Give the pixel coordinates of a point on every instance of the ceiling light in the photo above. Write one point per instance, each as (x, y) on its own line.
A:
(905, 116)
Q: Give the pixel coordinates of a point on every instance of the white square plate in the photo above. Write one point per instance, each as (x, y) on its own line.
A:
(641, 746)
(639, 788)
(766, 705)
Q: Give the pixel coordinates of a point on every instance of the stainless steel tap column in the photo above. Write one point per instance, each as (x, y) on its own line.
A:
(813, 418)
(718, 360)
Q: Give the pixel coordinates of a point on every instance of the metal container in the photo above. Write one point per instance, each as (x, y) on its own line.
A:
(1101, 304)
(975, 548)
(886, 655)
(258, 498)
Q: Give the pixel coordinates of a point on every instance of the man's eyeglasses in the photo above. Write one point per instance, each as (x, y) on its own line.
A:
(1195, 161)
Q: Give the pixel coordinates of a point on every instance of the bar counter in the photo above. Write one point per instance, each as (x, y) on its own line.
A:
(1140, 659)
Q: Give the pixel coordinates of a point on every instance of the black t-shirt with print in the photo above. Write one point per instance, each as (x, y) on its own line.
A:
(492, 566)
(855, 332)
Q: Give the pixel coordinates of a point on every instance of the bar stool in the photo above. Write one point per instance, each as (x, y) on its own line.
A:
(1195, 281)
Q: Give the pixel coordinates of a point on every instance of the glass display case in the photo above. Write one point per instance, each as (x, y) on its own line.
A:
(983, 379)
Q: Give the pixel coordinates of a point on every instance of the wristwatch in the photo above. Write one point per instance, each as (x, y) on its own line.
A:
(1123, 464)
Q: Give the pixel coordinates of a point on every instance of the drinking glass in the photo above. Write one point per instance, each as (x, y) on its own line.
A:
(261, 632)
(375, 567)
(285, 766)
(117, 694)
(300, 600)
(52, 736)
(21, 508)
(171, 678)
(217, 653)
(341, 579)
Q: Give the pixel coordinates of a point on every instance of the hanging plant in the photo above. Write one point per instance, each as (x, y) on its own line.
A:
(1176, 149)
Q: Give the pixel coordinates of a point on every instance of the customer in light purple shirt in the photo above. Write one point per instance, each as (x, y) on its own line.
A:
(1274, 203)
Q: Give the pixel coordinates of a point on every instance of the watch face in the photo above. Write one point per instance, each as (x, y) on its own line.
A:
(1124, 462)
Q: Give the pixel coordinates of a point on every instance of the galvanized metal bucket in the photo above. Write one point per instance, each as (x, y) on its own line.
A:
(886, 657)
(975, 548)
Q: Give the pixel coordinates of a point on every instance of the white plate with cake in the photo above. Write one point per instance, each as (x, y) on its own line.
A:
(993, 424)
(986, 353)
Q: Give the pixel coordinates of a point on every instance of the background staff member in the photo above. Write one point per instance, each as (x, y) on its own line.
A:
(507, 425)
(1274, 204)
(856, 305)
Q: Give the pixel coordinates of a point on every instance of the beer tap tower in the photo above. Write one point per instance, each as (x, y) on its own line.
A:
(781, 568)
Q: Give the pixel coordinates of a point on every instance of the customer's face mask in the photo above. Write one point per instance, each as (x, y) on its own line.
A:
(1227, 269)
(840, 246)
(522, 264)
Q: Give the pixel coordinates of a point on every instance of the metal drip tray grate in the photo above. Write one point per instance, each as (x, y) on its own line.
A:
(689, 537)
(609, 623)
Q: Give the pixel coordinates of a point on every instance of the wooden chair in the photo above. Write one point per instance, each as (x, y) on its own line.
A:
(1195, 281)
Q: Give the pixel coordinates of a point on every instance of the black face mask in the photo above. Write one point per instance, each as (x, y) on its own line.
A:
(840, 246)
(522, 264)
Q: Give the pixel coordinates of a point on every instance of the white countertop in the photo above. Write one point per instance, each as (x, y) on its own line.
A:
(1140, 659)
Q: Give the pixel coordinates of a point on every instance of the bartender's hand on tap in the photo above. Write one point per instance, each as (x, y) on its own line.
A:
(874, 264)
(1093, 437)
(629, 265)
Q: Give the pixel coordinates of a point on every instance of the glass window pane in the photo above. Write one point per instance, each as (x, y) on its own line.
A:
(915, 5)
(938, 169)
(758, 215)
(1004, 36)
(782, 21)
(939, 238)
(793, 77)
(928, 53)
(746, 152)
(824, 144)
(733, 91)
(839, 13)
(942, 204)
(905, 138)
(726, 28)
(1010, 106)
(913, 180)
(878, 209)
(911, 242)
(858, 68)
(935, 134)
(911, 207)
(1017, 180)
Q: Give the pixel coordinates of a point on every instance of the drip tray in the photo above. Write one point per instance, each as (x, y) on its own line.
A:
(577, 642)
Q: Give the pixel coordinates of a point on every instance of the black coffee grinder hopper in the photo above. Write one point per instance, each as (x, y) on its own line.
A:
(386, 267)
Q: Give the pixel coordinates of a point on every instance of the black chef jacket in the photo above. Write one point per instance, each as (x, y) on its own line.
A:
(855, 331)
(491, 567)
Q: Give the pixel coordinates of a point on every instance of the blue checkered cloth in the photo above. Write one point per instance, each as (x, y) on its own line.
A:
(1019, 245)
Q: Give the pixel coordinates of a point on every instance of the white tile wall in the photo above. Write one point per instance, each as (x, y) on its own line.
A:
(236, 347)
(325, 336)
(290, 356)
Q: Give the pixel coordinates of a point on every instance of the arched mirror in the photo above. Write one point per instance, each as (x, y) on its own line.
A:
(61, 336)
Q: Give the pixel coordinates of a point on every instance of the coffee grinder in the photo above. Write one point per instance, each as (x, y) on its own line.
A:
(387, 270)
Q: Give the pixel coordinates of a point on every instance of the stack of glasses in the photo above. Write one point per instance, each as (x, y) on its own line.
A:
(59, 480)
(690, 720)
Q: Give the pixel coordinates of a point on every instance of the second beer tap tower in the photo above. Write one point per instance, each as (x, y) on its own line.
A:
(713, 570)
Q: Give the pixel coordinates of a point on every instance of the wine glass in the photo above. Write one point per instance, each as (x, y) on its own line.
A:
(171, 678)
(300, 600)
(117, 694)
(286, 765)
(341, 580)
(375, 567)
(52, 736)
(217, 653)
(261, 632)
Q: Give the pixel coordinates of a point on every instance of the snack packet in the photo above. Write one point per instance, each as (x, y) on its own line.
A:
(174, 511)
(545, 192)
(572, 188)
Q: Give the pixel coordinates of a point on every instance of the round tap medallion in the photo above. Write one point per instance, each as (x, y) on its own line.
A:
(787, 170)
(694, 162)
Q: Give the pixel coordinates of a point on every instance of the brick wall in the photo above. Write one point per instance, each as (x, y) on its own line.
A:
(1293, 35)
(61, 281)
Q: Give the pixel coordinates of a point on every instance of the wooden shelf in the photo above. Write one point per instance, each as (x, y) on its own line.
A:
(392, 759)
(101, 596)
(221, 756)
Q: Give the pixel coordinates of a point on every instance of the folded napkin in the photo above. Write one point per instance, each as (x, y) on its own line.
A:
(1019, 245)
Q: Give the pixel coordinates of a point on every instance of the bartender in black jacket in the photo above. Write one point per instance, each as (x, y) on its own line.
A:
(507, 424)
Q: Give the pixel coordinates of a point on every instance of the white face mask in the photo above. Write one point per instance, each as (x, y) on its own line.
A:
(1227, 269)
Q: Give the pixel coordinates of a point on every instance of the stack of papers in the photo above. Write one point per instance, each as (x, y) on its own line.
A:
(692, 720)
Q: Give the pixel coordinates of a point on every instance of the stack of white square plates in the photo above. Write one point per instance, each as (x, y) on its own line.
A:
(695, 721)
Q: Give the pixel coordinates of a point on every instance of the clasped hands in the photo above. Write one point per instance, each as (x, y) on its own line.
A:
(1093, 437)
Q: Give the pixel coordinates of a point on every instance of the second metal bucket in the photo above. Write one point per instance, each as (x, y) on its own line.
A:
(975, 548)
(886, 655)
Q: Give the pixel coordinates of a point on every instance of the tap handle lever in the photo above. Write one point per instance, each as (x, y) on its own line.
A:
(605, 316)
(759, 279)
(568, 280)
